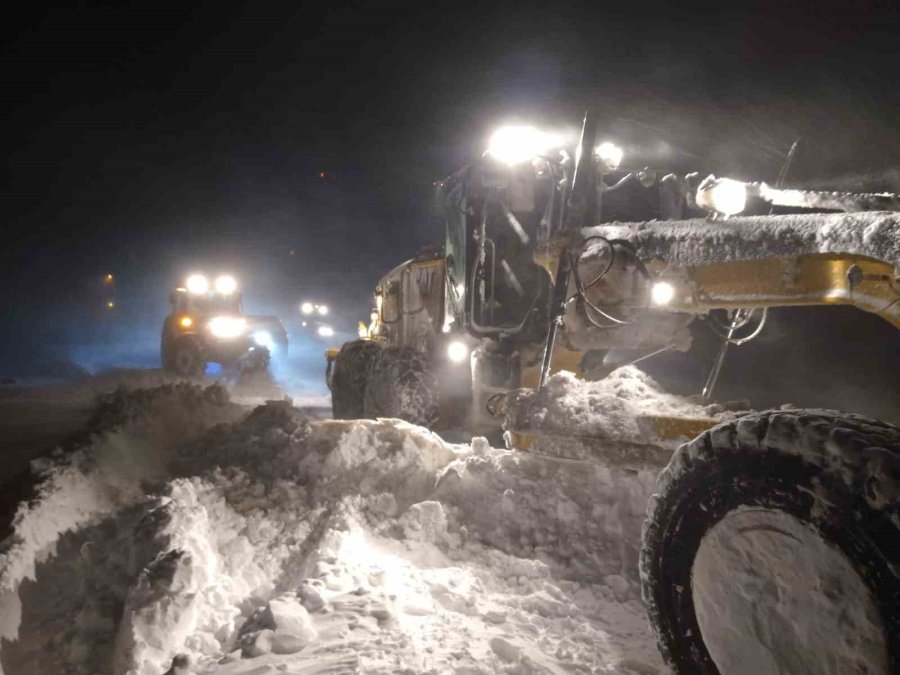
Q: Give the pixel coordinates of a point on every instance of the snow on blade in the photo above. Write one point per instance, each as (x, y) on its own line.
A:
(613, 420)
(699, 242)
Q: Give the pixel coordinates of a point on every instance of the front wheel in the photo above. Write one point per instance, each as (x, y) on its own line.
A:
(401, 384)
(185, 358)
(773, 546)
(348, 376)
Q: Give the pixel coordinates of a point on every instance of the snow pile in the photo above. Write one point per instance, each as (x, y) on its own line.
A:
(277, 544)
(574, 418)
(693, 242)
(121, 448)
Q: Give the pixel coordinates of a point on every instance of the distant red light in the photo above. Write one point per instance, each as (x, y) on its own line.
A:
(321, 174)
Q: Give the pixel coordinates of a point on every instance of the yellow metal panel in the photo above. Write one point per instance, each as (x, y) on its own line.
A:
(563, 359)
(820, 279)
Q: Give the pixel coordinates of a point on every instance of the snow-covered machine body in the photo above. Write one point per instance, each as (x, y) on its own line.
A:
(558, 264)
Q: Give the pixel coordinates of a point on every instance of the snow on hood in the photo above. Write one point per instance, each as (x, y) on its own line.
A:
(276, 544)
(696, 242)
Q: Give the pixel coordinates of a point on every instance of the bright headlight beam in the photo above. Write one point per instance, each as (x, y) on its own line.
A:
(457, 351)
(610, 154)
(323, 309)
(263, 338)
(226, 284)
(724, 196)
(325, 331)
(227, 326)
(517, 144)
(662, 293)
(306, 308)
(197, 283)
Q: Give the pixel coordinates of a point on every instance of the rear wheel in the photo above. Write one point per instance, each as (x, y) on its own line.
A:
(348, 378)
(773, 546)
(402, 385)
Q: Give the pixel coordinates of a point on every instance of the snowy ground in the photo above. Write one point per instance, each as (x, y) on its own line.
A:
(264, 541)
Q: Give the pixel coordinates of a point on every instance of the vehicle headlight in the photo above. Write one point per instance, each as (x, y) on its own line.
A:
(722, 195)
(610, 154)
(322, 309)
(517, 144)
(662, 293)
(457, 351)
(325, 331)
(263, 338)
(306, 308)
(197, 283)
(186, 322)
(227, 326)
(226, 284)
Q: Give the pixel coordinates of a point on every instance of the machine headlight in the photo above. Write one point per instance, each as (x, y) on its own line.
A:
(197, 283)
(457, 351)
(722, 195)
(610, 154)
(517, 144)
(263, 338)
(186, 322)
(227, 326)
(662, 293)
(322, 309)
(325, 331)
(226, 284)
(306, 308)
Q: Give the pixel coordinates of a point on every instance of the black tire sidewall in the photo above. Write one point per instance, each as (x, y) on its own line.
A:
(348, 378)
(773, 481)
(398, 374)
(186, 346)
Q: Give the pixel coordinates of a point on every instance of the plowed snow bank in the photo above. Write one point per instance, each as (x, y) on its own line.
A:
(275, 544)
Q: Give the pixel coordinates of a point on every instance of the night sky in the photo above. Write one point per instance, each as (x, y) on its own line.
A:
(148, 142)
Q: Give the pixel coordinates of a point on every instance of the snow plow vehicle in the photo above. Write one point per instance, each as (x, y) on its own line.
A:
(773, 542)
(207, 325)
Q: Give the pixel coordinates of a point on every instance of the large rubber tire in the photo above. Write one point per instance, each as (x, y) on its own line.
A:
(402, 385)
(348, 378)
(837, 474)
(186, 358)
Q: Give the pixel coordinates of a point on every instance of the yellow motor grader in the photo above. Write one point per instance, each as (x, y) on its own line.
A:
(773, 542)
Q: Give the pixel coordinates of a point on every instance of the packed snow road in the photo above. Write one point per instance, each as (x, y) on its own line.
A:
(187, 533)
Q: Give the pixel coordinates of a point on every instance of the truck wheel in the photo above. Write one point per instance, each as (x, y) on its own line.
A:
(348, 378)
(773, 546)
(165, 355)
(256, 360)
(402, 385)
(186, 359)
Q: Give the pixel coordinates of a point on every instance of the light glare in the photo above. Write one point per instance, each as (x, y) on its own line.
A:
(227, 326)
(306, 308)
(197, 283)
(325, 331)
(518, 144)
(610, 154)
(263, 338)
(457, 351)
(662, 292)
(722, 195)
(226, 284)
(323, 309)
